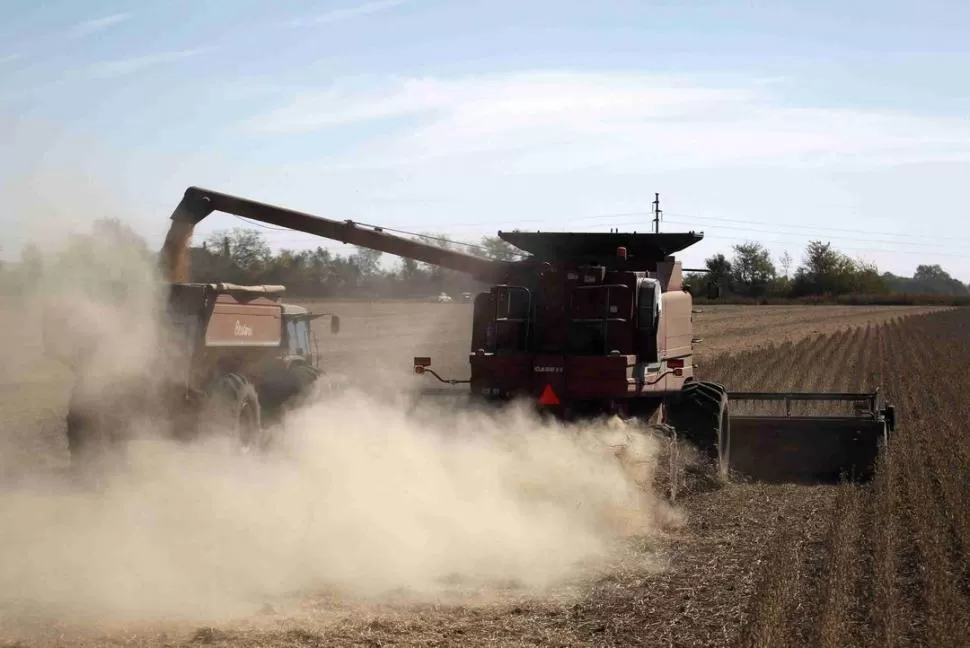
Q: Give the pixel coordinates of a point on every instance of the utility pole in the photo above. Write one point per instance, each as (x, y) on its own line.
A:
(656, 213)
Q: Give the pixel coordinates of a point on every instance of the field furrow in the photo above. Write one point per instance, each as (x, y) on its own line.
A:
(885, 563)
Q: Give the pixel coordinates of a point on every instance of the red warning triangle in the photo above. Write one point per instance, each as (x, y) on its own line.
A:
(548, 397)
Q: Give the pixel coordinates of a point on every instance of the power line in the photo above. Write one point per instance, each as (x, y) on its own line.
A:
(263, 225)
(893, 245)
(385, 229)
(850, 248)
(818, 232)
(423, 236)
(844, 238)
(813, 227)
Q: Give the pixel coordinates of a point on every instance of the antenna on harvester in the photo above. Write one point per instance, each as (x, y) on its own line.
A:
(656, 213)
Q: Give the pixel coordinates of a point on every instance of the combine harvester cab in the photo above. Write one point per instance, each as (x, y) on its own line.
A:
(591, 324)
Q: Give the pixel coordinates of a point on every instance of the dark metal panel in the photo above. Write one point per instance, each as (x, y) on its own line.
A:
(803, 449)
(802, 396)
(552, 246)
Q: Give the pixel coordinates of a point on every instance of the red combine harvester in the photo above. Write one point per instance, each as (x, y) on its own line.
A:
(591, 324)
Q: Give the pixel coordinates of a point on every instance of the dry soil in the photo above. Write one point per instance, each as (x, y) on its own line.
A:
(698, 583)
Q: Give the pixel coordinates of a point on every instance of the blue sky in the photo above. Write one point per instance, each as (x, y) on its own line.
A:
(779, 122)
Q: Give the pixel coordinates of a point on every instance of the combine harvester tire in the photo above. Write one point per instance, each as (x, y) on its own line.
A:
(701, 414)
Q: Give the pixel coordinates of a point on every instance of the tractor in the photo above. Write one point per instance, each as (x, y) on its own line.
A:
(593, 323)
(231, 357)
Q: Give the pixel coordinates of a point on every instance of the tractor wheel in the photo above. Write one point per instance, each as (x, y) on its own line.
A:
(94, 426)
(700, 414)
(305, 381)
(95, 443)
(85, 439)
(305, 377)
(233, 405)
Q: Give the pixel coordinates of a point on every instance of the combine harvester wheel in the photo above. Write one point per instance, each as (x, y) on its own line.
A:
(701, 413)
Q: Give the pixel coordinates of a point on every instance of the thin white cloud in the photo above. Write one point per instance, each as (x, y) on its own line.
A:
(346, 13)
(546, 149)
(121, 67)
(10, 58)
(550, 122)
(87, 27)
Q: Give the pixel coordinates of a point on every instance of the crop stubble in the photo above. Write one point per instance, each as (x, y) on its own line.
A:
(886, 564)
(891, 568)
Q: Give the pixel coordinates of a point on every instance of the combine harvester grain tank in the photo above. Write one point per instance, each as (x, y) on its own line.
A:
(594, 323)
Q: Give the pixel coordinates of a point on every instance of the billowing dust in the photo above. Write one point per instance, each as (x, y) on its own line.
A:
(357, 497)
(357, 500)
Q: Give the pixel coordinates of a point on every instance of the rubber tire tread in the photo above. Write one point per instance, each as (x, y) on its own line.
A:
(305, 376)
(697, 414)
(233, 390)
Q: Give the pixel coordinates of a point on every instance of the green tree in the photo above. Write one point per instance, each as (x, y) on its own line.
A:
(867, 280)
(824, 271)
(368, 261)
(246, 248)
(751, 269)
(410, 271)
(932, 279)
(719, 271)
(494, 247)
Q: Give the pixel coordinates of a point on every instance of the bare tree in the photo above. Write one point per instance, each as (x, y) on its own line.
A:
(785, 261)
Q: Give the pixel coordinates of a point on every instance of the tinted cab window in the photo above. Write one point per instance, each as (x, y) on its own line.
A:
(298, 337)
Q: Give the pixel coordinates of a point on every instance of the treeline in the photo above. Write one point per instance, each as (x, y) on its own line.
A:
(113, 251)
(243, 256)
(825, 275)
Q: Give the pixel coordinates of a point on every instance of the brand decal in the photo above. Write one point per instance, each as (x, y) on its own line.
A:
(242, 330)
(540, 369)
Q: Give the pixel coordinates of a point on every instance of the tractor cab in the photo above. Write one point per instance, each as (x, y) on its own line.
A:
(299, 342)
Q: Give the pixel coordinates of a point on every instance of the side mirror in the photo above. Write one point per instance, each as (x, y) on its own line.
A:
(335, 324)
(713, 290)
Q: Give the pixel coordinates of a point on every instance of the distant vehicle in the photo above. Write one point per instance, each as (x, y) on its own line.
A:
(444, 298)
(466, 296)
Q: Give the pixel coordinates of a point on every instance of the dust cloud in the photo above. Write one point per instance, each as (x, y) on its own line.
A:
(357, 497)
(355, 500)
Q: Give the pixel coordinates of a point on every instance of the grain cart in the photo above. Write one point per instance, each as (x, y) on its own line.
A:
(234, 357)
(593, 323)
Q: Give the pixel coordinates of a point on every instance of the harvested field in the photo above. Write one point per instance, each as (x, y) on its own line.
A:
(392, 333)
(884, 564)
